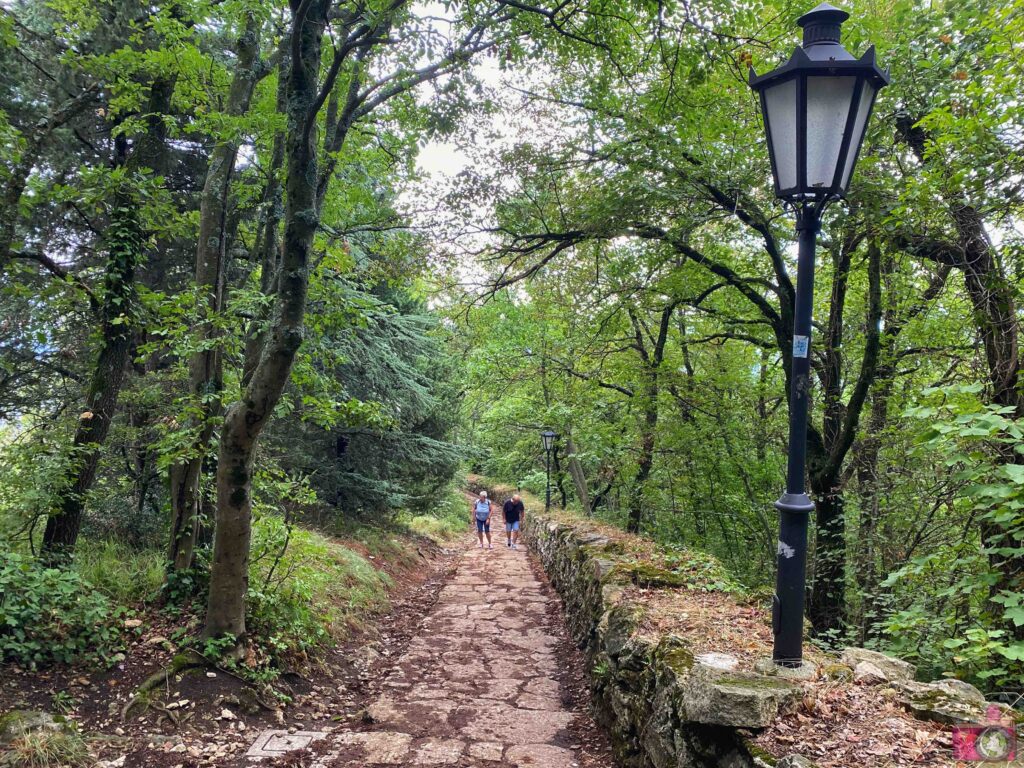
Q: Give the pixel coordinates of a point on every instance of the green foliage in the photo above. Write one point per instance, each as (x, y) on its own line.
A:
(126, 575)
(966, 605)
(49, 615)
(443, 521)
(304, 589)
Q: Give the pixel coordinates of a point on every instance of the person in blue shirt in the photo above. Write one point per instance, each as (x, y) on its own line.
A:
(481, 509)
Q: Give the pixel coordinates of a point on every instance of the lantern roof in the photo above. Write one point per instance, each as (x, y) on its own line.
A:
(823, 53)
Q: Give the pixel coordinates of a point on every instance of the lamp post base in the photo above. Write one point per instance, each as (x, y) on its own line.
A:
(788, 604)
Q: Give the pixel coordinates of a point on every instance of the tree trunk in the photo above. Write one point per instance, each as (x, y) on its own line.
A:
(866, 568)
(205, 366)
(827, 605)
(125, 240)
(579, 479)
(648, 430)
(652, 360)
(268, 248)
(559, 476)
(245, 419)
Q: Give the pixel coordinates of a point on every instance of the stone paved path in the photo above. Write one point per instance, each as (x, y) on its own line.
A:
(476, 685)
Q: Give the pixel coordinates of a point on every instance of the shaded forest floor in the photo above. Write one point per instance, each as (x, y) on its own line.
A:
(211, 716)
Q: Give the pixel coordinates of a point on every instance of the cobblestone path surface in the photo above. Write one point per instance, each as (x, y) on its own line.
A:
(478, 685)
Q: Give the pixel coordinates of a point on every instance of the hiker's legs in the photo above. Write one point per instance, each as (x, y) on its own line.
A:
(480, 532)
(487, 530)
(514, 533)
(508, 533)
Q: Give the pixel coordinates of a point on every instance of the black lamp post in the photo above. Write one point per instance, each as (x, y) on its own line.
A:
(548, 437)
(815, 107)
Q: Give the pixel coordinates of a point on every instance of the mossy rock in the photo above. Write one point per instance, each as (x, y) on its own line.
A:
(838, 672)
(18, 722)
(675, 654)
(761, 756)
(620, 624)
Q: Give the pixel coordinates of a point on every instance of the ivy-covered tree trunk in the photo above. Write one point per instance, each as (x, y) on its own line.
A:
(245, 419)
(997, 321)
(645, 459)
(579, 478)
(205, 366)
(124, 240)
(652, 359)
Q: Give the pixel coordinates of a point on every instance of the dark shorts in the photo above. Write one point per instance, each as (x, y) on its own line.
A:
(483, 526)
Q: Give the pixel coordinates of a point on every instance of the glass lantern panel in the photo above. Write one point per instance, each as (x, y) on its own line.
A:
(867, 98)
(828, 107)
(780, 114)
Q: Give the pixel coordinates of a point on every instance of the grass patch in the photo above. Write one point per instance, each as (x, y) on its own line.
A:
(448, 519)
(47, 749)
(306, 590)
(122, 573)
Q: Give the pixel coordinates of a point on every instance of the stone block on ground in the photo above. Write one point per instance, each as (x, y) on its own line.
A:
(806, 672)
(893, 670)
(953, 702)
(736, 699)
(795, 761)
(18, 722)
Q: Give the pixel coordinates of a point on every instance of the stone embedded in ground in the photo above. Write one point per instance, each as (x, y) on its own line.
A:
(486, 750)
(542, 686)
(737, 699)
(952, 702)
(274, 743)
(539, 756)
(806, 672)
(893, 670)
(380, 747)
(869, 674)
(724, 661)
(439, 751)
(532, 701)
(795, 761)
(18, 722)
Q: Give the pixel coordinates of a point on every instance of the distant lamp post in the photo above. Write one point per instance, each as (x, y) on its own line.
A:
(816, 107)
(548, 437)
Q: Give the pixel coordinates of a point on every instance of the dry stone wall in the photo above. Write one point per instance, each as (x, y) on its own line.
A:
(663, 707)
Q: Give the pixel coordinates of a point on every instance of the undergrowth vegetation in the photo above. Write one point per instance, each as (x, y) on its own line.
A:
(445, 520)
(307, 589)
(49, 615)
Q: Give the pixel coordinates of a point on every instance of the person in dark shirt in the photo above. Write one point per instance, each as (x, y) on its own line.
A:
(513, 511)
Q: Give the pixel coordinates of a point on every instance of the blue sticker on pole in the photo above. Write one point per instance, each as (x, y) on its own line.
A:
(800, 346)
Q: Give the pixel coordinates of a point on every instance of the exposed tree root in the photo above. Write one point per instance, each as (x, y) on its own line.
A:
(182, 662)
(143, 699)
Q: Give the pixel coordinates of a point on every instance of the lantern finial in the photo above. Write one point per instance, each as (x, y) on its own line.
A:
(823, 27)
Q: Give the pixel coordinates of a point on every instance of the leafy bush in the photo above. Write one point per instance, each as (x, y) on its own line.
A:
(967, 620)
(48, 615)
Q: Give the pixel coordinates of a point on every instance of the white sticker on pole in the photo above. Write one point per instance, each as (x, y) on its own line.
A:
(800, 346)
